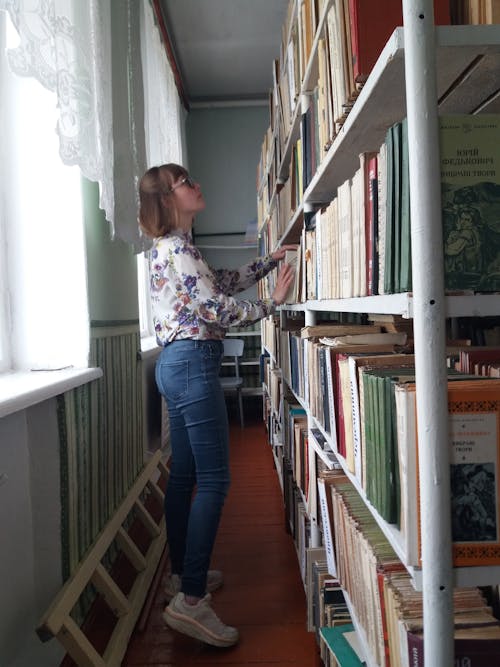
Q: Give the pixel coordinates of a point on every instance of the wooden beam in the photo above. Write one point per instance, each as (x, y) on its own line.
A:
(170, 53)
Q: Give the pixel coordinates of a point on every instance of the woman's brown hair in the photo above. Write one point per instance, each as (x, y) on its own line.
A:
(157, 212)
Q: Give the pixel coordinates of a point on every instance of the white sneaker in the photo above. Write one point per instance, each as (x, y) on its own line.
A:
(215, 579)
(199, 621)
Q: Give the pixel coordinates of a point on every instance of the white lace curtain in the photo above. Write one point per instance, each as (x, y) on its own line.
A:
(164, 113)
(67, 46)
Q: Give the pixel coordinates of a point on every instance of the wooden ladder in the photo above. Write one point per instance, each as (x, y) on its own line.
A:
(57, 621)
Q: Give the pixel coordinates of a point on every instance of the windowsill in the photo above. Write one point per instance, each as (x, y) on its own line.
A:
(21, 389)
(149, 347)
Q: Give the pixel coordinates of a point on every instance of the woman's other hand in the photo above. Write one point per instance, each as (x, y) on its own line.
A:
(283, 282)
(279, 254)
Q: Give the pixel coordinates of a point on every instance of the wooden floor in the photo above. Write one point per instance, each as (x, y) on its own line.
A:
(262, 596)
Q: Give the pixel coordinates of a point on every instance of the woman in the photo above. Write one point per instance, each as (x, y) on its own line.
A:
(193, 307)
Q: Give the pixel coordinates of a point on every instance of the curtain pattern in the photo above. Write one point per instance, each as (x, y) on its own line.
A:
(163, 109)
(88, 54)
(64, 44)
(101, 434)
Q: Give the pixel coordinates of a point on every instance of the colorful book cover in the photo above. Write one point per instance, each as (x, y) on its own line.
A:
(470, 193)
(474, 433)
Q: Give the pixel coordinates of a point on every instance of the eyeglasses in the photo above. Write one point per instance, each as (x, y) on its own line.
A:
(185, 181)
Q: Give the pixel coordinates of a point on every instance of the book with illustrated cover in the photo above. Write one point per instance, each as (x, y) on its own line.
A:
(474, 431)
(474, 441)
(470, 194)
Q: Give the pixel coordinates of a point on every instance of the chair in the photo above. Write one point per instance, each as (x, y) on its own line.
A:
(233, 347)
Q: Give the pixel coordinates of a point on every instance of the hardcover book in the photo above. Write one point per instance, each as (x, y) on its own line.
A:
(474, 441)
(336, 641)
(371, 27)
(470, 193)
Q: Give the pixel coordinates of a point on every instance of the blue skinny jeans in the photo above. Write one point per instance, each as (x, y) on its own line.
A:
(187, 375)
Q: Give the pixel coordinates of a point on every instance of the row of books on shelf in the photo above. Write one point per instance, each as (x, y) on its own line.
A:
(358, 559)
(360, 243)
(363, 398)
(344, 39)
(387, 608)
(360, 598)
(475, 12)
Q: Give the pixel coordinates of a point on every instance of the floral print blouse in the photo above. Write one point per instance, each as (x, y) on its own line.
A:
(192, 300)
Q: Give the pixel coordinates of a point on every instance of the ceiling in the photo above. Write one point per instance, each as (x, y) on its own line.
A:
(224, 49)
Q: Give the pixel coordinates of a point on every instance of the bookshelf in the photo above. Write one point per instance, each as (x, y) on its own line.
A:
(459, 66)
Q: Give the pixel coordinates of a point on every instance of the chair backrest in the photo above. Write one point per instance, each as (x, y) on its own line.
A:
(233, 347)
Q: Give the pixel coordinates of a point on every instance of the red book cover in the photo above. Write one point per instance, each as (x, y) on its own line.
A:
(372, 23)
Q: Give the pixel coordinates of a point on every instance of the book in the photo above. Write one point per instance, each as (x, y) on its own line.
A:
(381, 215)
(336, 640)
(406, 443)
(356, 362)
(381, 469)
(390, 214)
(368, 164)
(371, 27)
(474, 432)
(345, 238)
(480, 649)
(291, 258)
(382, 338)
(405, 269)
(335, 329)
(358, 278)
(326, 522)
(470, 194)
(472, 618)
(474, 441)
(470, 357)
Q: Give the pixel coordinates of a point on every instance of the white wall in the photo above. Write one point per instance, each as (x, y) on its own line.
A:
(30, 554)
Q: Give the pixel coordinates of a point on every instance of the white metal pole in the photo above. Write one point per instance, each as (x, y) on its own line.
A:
(310, 320)
(429, 330)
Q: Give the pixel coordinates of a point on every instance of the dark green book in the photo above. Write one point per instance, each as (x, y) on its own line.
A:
(335, 640)
(389, 214)
(405, 225)
(397, 164)
(368, 444)
(382, 466)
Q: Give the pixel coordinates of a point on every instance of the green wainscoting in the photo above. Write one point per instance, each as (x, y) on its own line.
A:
(101, 435)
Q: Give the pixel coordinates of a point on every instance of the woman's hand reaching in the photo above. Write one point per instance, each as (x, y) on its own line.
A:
(279, 254)
(283, 282)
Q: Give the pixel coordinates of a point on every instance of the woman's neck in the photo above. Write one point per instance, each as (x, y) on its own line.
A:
(185, 224)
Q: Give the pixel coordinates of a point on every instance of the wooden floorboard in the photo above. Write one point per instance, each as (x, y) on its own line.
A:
(262, 596)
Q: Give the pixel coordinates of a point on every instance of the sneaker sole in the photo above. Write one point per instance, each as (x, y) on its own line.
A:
(189, 626)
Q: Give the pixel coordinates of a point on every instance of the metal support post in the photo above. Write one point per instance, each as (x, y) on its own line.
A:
(429, 330)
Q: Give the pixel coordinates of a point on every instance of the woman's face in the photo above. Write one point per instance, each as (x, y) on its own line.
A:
(188, 196)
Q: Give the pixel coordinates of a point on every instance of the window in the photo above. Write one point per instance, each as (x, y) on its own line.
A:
(163, 117)
(44, 321)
